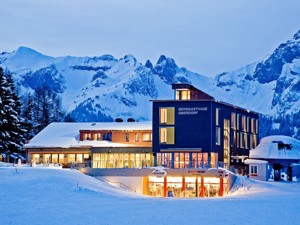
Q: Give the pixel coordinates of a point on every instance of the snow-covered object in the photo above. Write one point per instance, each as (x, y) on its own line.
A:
(66, 135)
(277, 147)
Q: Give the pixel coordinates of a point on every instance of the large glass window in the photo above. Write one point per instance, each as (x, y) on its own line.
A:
(70, 158)
(79, 158)
(167, 135)
(35, 157)
(54, 158)
(156, 186)
(167, 116)
(122, 160)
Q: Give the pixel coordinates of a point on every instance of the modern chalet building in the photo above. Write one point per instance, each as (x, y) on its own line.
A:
(195, 130)
(178, 154)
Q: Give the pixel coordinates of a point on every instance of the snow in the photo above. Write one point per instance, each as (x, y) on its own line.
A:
(65, 135)
(255, 161)
(268, 148)
(62, 196)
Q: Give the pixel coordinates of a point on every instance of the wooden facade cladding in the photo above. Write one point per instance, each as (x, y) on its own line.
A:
(134, 138)
(195, 94)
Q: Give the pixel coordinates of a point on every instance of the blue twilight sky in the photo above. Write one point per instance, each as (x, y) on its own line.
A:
(207, 37)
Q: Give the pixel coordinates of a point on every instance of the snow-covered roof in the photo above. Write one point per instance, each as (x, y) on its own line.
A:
(255, 161)
(277, 147)
(66, 135)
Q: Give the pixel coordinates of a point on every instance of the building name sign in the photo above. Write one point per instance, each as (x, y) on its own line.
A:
(159, 172)
(187, 111)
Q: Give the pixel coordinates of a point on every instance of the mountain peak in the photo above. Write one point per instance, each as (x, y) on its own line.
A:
(297, 36)
(161, 59)
(148, 64)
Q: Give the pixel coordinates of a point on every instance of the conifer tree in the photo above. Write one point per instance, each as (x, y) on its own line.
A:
(11, 132)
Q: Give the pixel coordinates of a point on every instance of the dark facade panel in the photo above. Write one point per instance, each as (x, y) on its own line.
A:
(206, 125)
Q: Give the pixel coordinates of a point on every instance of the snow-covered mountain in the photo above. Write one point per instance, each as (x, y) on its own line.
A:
(104, 88)
(100, 88)
(270, 86)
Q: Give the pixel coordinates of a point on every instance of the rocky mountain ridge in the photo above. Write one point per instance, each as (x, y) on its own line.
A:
(103, 88)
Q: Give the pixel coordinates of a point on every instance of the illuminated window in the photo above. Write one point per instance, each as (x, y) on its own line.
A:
(147, 137)
(166, 135)
(244, 123)
(241, 140)
(137, 137)
(79, 158)
(166, 116)
(254, 140)
(97, 136)
(233, 121)
(87, 136)
(248, 124)
(54, 158)
(246, 140)
(183, 95)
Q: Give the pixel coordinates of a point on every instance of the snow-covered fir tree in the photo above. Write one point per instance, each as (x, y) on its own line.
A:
(11, 131)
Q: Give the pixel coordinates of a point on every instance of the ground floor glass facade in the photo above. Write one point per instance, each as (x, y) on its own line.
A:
(122, 160)
(187, 187)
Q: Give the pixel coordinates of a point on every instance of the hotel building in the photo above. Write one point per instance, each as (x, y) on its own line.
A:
(179, 154)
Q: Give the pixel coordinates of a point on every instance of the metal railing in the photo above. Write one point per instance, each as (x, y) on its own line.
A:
(121, 185)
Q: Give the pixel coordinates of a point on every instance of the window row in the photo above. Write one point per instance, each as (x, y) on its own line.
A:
(244, 123)
(244, 140)
(186, 160)
(127, 137)
(60, 158)
(122, 160)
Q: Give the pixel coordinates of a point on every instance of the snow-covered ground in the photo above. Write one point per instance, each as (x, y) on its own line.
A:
(62, 196)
